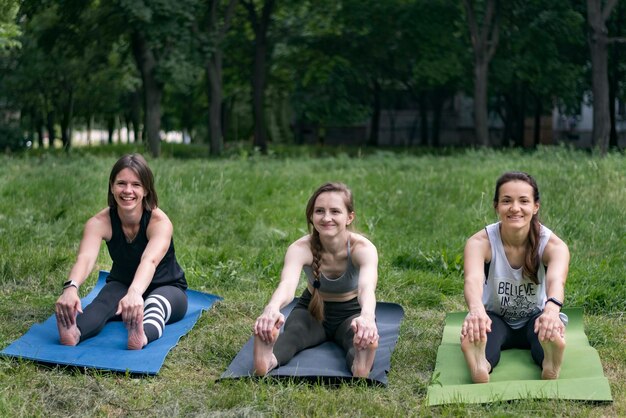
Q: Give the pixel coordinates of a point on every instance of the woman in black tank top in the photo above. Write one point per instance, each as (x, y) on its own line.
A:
(146, 286)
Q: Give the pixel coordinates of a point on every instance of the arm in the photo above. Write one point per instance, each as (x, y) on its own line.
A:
(298, 254)
(477, 323)
(159, 233)
(556, 256)
(365, 256)
(96, 229)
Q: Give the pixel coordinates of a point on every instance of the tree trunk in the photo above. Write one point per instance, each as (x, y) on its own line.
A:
(598, 33)
(484, 37)
(50, 128)
(423, 106)
(375, 123)
(153, 91)
(261, 25)
(214, 85)
(66, 122)
(481, 116)
(437, 101)
(537, 123)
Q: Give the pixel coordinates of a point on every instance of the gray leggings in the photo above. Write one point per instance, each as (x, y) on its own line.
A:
(162, 305)
(302, 330)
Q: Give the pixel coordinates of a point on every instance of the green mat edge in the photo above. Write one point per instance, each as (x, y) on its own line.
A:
(585, 389)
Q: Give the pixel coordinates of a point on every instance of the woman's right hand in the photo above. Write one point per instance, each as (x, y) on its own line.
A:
(476, 326)
(268, 324)
(67, 307)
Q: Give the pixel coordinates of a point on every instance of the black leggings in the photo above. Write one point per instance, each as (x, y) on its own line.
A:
(302, 330)
(503, 337)
(162, 305)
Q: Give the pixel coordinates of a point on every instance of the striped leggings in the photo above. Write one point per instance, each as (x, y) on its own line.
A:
(162, 305)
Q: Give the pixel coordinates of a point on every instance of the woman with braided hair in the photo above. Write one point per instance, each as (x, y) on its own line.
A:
(341, 267)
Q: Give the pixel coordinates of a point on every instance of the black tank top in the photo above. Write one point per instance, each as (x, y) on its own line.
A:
(127, 256)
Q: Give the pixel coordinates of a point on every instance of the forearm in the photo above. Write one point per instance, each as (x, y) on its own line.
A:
(367, 300)
(143, 276)
(473, 296)
(81, 269)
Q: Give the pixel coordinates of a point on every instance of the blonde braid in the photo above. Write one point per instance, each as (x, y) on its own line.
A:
(316, 305)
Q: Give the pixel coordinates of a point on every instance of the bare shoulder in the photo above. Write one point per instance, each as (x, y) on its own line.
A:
(99, 224)
(363, 250)
(555, 248)
(159, 216)
(300, 251)
(159, 225)
(100, 219)
(478, 244)
(361, 243)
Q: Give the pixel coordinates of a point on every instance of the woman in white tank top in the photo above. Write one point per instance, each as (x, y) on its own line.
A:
(515, 272)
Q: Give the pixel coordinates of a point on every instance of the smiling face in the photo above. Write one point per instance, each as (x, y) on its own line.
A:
(330, 215)
(516, 204)
(127, 190)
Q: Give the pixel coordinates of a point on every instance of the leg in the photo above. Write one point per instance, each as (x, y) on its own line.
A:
(547, 354)
(359, 361)
(164, 305)
(95, 315)
(301, 331)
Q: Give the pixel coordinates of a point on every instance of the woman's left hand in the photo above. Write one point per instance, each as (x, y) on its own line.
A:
(365, 331)
(131, 308)
(548, 326)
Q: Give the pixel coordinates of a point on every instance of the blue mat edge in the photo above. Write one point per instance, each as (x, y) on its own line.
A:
(8, 351)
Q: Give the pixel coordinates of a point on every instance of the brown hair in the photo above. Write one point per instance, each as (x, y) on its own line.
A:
(316, 305)
(531, 259)
(140, 167)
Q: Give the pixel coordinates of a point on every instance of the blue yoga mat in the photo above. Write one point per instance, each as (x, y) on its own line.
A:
(327, 361)
(107, 350)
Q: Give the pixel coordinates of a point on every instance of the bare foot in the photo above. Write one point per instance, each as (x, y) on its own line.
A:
(476, 360)
(363, 360)
(68, 336)
(552, 357)
(264, 358)
(136, 337)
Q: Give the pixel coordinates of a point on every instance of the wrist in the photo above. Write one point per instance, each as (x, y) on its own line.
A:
(553, 303)
(70, 284)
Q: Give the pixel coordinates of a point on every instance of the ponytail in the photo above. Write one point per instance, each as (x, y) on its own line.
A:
(531, 260)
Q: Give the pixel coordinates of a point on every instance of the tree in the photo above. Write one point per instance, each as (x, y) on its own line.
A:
(483, 24)
(9, 30)
(539, 64)
(598, 13)
(216, 28)
(260, 20)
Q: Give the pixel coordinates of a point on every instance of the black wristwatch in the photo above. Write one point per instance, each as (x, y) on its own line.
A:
(70, 283)
(556, 302)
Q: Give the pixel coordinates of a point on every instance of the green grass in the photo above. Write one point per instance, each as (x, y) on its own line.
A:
(233, 220)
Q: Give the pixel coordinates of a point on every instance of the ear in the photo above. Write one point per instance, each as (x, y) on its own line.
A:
(536, 209)
(351, 217)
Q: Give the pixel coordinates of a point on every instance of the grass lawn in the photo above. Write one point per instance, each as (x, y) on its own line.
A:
(234, 219)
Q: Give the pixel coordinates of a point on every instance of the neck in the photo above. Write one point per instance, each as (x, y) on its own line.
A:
(130, 218)
(516, 237)
(336, 244)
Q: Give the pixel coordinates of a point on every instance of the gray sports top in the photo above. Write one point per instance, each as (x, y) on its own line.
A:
(347, 282)
(506, 292)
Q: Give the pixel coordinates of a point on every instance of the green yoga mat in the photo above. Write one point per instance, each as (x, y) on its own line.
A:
(517, 376)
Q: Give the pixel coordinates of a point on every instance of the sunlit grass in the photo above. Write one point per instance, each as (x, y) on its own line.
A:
(233, 220)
